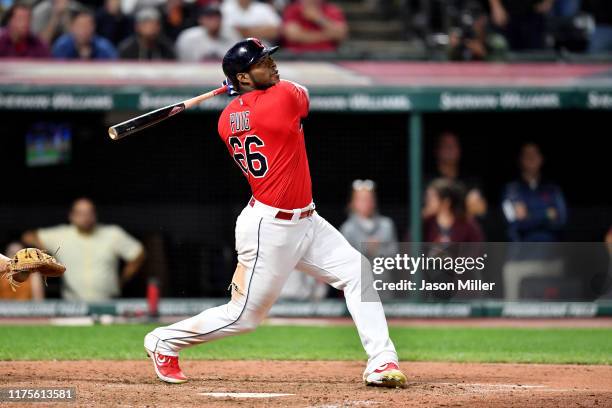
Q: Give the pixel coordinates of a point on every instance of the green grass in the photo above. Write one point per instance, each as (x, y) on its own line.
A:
(523, 345)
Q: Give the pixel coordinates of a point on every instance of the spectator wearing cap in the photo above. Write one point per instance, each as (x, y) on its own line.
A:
(112, 23)
(313, 26)
(16, 40)
(252, 19)
(148, 43)
(365, 229)
(81, 42)
(52, 18)
(209, 39)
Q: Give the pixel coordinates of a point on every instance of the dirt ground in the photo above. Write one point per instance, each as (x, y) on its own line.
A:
(315, 384)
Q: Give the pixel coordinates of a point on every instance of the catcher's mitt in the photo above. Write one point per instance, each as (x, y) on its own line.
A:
(32, 260)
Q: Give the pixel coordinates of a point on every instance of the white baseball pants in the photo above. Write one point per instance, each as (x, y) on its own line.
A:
(269, 249)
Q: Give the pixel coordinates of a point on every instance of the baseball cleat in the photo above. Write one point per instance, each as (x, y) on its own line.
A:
(167, 368)
(387, 375)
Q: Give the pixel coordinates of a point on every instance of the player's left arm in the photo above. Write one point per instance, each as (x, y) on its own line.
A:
(301, 97)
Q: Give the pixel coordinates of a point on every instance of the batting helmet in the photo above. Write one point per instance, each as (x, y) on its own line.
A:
(242, 55)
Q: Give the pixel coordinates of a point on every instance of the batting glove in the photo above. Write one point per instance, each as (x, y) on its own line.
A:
(230, 87)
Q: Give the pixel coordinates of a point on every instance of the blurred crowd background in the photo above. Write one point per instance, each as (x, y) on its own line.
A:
(158, 209)
(375, 29)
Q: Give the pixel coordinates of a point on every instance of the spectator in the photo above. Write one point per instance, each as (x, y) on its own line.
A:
(472, 40)
(252, 19)
(601, 38)
(313, 26)
(210, 39)
(366, 230)
(536, 212)
(177, 16)
(28, 289)
(16, 40)
(112, 24)
(447, 220)
(82, 43)
(51, 18)
(91, 253)
(148, 43)
(448, 160)
(522, 22)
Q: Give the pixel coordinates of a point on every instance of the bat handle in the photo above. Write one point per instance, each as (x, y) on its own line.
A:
(190, 103)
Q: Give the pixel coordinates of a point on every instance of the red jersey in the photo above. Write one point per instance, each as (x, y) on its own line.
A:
(263, 132)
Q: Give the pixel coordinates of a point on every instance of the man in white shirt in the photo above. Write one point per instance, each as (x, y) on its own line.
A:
(209, 39)
(252, 19)
(91, 253)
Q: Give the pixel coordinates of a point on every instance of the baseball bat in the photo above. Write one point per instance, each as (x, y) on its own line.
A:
(141, 122)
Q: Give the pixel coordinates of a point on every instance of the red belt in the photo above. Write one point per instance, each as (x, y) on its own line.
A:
(286, 215)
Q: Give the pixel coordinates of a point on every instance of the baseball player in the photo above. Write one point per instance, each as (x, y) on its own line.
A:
(279, 230)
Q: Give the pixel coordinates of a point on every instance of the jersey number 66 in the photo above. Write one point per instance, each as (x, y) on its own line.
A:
(251, 161)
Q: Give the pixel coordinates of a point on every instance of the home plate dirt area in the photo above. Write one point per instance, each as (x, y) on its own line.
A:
(314, 384)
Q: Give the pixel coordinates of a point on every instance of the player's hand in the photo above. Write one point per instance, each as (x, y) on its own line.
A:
(230, 88)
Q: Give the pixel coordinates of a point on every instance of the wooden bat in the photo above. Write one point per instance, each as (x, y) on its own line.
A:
(141, 122)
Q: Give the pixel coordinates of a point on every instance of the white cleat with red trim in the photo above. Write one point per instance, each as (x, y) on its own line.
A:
(167, 368)
(387, 375)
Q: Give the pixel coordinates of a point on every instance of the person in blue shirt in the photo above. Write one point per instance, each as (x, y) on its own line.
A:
(81, 42)
(535, 210)
(536, 214)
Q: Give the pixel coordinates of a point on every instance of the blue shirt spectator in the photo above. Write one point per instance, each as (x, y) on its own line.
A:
(81, 42)
(535, 211)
